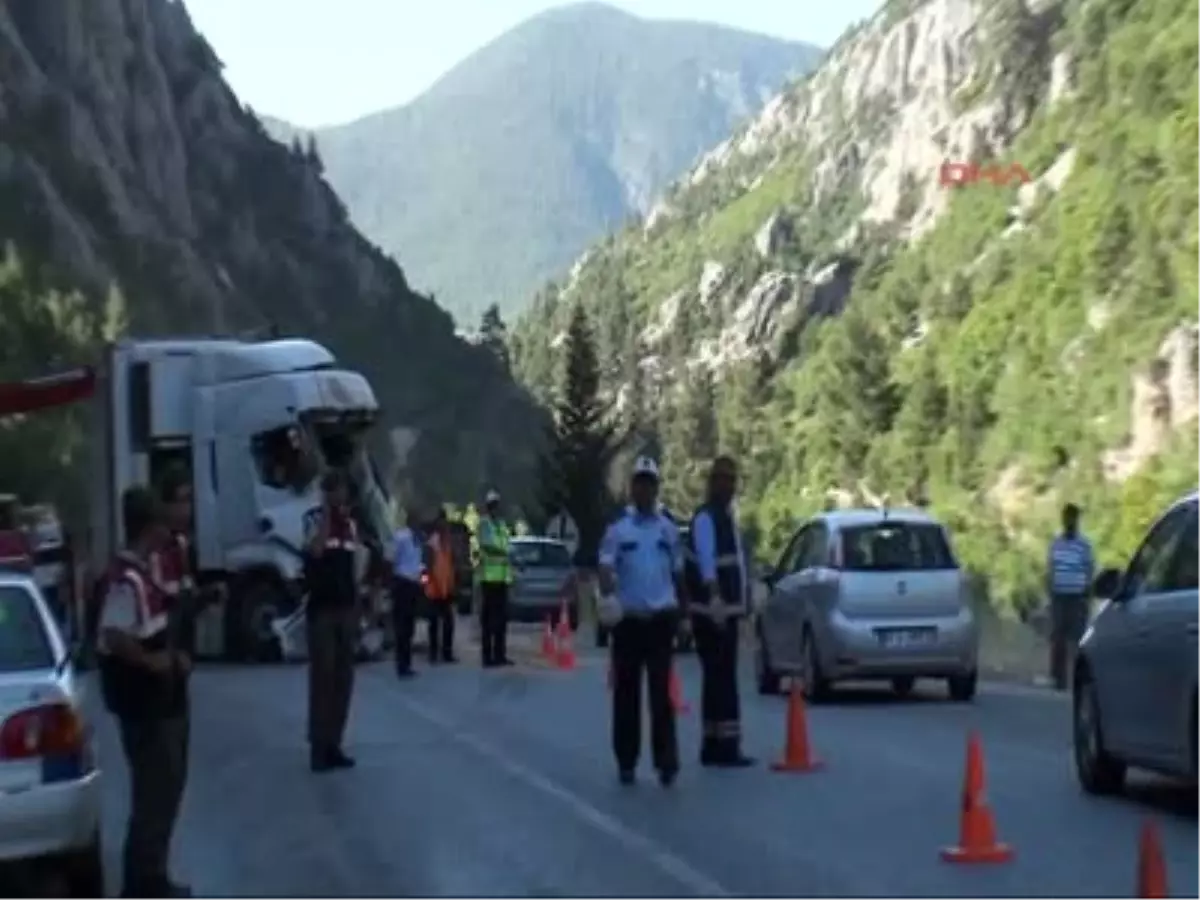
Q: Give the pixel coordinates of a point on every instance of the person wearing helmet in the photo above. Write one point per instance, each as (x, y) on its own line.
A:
(718, 584)
(494, 575)
(641, 562)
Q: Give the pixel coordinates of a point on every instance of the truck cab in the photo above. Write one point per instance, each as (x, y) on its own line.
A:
(255, 424)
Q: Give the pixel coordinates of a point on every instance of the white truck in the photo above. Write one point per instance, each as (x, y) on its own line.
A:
(255, 423)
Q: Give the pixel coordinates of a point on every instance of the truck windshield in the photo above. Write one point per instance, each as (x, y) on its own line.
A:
(285, 458)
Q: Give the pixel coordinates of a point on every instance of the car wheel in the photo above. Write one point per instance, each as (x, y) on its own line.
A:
(902, 685)
(1097, 770)
(813, 681)
(84, 871)
(601, 636)
(962, 687)
(768, 679)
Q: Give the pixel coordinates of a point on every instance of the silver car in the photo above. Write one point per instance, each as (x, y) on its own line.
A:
(542, 569)
(49, 781)
(1135, 672)
(867, 594)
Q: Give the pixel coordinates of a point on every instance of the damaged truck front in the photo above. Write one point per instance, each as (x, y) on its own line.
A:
(255, 424)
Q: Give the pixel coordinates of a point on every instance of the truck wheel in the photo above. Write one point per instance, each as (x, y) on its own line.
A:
(262, 601)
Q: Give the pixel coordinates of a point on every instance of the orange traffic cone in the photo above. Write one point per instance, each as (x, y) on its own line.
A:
(675, 689)
(1151, 870)
(549, 651)
(565, 655)
(797, 754)
(977, 833)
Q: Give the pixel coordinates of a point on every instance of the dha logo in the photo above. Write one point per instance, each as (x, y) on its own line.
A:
(963, 174)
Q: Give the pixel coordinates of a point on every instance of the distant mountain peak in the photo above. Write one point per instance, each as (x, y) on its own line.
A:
(554, 133)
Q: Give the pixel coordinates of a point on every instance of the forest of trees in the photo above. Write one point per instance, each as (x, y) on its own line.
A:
(44, 330)
(961, 360)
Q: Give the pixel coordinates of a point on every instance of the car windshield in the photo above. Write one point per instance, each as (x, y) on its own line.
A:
(539, 554)
(895, 547)
(24, 644)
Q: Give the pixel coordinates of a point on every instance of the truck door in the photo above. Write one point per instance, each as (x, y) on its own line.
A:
(206, 480)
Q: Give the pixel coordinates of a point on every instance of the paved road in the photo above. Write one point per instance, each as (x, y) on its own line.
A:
(500, 783)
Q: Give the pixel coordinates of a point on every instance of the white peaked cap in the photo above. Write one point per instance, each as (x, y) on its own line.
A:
(644, 465)
(492, 496)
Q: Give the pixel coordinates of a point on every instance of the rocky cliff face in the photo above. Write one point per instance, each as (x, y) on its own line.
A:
(868, 331)
(126, 161)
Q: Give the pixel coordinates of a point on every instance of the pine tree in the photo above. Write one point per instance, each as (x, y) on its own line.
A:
(493, 334)
(575, 469)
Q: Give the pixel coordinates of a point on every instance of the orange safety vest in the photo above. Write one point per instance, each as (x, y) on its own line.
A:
(441, 573)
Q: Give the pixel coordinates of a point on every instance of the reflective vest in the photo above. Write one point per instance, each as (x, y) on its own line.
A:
(171, 566)
(493, 551)
(729, 563)
(130, 691)
(331, 577)
(441, 569)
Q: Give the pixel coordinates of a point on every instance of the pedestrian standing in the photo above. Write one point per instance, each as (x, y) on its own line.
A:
(640, 566)
(717, 585)
(143, 681)
(331, 544)
(1070, 567)
(406, 592)
(440, 590)
(494, 578)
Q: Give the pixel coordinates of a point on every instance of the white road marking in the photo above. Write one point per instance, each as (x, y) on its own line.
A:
(1025, 691)
(655, 854)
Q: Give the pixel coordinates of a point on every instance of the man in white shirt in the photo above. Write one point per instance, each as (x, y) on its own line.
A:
(406, 591)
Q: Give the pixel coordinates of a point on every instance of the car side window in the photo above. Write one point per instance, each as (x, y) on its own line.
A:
(791, 560)
(816, 548)
(1181, 573)
(1150, 570)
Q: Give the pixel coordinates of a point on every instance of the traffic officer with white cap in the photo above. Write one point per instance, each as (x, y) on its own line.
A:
(641, 564)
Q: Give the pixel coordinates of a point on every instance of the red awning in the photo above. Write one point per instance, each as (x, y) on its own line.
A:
(42, 393)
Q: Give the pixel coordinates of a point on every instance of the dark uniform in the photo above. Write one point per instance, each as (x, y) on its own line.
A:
(333, 626)
(642, 551)
(151, 709)
(714, 548)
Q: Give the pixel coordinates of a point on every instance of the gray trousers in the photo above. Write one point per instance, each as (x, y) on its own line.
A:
(156, 751)
(332, 639)
(1068, 621)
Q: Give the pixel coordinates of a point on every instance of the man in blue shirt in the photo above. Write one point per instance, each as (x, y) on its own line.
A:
(640, 567)
(1070, 567)
(717, 585)
(406, 591)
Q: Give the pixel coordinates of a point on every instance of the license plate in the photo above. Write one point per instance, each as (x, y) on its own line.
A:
(905, 638)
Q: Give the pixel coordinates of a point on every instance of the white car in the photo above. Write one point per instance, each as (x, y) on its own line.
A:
(49, 780)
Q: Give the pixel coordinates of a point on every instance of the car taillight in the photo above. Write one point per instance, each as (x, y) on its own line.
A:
(53, 733)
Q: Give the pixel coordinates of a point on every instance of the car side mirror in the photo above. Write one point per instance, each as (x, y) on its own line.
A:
(1107, 584)
(766, 574)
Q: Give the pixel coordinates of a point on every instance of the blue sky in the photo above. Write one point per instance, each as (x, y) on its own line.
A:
(320, 62)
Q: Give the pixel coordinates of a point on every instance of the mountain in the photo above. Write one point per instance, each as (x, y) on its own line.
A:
(812, 298)
(136, 193)
(495, 178)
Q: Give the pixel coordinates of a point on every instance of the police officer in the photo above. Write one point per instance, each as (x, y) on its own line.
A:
(143, 681)
(495, 573)
(640, 564)
(331, 546)
(717, 585)
(406, 591)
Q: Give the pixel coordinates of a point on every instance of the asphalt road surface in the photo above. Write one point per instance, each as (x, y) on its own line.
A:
(501, 783)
